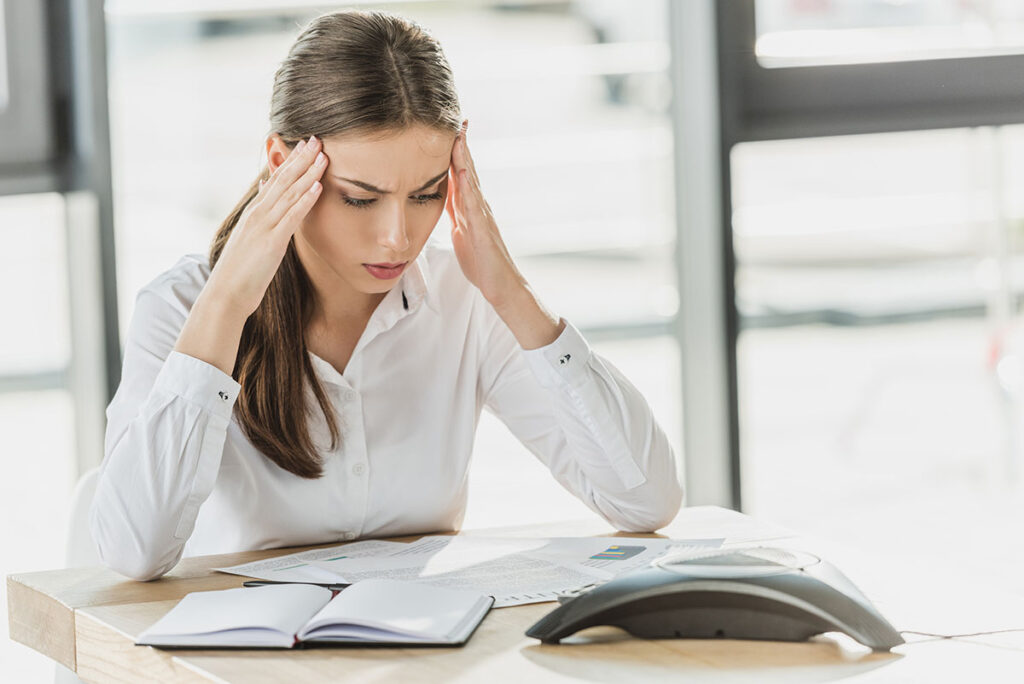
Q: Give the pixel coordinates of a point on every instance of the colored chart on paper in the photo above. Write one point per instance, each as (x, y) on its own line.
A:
(618, 552)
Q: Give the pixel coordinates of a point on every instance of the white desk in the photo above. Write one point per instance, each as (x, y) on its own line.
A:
(88, 618)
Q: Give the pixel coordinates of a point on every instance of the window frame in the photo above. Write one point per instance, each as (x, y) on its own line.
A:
(759, 103)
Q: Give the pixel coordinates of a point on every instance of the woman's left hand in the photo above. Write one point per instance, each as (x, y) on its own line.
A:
(478, 245)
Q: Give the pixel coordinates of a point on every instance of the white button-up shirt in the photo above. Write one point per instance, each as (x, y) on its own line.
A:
(180, 478)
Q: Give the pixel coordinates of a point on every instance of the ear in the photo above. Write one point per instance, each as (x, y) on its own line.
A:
(277, 151)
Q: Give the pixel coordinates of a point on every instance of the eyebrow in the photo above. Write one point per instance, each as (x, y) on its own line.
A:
(372, 188)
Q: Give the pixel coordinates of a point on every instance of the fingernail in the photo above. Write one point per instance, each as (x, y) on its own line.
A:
(312, 139)
(298, 147)
(320, 159)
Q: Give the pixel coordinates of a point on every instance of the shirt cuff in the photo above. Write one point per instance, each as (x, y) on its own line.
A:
(199, 382)
(564, 361)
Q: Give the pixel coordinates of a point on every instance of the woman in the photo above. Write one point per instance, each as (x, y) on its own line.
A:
(320, 376)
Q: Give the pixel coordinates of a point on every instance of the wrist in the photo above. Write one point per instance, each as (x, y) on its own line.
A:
(514, 292)
(529, 321)
(510, 299)
(218, 304)
(212, 331)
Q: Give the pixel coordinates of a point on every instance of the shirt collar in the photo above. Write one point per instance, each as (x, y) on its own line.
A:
(416, 286)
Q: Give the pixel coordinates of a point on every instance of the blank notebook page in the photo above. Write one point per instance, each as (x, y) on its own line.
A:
(405, 608)
(284, 607)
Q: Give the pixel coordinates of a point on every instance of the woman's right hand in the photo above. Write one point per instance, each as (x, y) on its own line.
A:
(258, 242)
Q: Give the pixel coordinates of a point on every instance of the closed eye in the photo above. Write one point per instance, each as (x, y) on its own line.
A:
(423, 199)
(359, 203)
(418, 199)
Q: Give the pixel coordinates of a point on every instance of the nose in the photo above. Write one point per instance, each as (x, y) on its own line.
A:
(393, 234)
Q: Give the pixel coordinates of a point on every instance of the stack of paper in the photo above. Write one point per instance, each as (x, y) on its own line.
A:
(512, 570)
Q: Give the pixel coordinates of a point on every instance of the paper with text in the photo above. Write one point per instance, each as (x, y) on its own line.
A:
(295, 567)
(514, 571)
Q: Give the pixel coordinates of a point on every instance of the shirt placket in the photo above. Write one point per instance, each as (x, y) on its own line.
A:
(353, 469)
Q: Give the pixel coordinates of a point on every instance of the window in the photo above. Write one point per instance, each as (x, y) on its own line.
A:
(802, 33)
(877, 288)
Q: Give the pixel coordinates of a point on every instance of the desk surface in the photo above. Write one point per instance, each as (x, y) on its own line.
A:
(88, 618)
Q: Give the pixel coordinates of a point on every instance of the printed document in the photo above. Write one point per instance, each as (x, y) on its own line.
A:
(513, 570)
(295, 566)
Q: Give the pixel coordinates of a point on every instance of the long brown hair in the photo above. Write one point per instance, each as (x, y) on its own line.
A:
(362, 72)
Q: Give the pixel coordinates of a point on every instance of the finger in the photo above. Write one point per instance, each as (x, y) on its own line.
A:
(449, 202)
(298, 161)
(292, 218)
(468, 162)
(453, 174)
(457, 193)
(459, 155)
(469, 192)
(289, 159)
(458, 160)
(300, 156)
(297, 189)
(474, 196)
(465, 199)
(259, 202)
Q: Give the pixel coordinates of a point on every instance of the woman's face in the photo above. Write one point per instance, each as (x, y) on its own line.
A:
(381, 199)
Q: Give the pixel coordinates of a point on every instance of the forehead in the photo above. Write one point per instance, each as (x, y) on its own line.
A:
(392, 161)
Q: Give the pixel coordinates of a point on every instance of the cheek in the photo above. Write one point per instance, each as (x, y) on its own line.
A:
(436, 208)
(427, 221)
(328, 229)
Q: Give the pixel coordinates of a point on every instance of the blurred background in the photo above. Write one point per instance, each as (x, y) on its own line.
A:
(793, 224)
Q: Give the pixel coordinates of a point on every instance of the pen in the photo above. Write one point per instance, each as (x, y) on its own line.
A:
(261, 583)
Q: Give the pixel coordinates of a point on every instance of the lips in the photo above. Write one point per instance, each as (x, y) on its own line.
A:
(386, 271)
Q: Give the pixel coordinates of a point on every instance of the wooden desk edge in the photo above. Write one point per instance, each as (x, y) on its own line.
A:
(43, 606)
(105, 653)
(40, 621)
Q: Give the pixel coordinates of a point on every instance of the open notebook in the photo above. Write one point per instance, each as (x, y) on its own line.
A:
(374, 611)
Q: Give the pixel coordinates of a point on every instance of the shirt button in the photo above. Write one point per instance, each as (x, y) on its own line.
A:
(350, 535)
(358, 469)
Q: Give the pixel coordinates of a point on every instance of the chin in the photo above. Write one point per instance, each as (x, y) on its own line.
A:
(370, 285)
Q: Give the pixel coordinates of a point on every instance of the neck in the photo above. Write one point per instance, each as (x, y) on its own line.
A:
(337, 302)
(331, 314)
